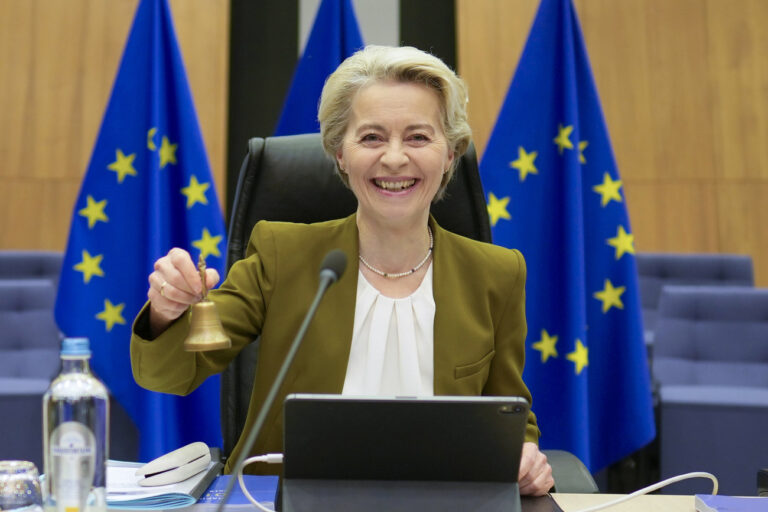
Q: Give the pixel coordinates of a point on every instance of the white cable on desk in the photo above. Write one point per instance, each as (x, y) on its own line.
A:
(270, 458)
(654, 487)
(277, 458)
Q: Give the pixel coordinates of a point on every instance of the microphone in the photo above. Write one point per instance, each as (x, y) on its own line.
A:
(333, 266)
(331, 270)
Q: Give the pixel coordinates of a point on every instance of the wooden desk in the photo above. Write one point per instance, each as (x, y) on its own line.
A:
(654, 502)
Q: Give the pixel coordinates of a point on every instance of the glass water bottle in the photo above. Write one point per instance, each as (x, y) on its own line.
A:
(75, 434)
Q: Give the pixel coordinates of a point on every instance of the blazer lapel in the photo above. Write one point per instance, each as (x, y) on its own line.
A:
(322, 363)
(449, 329)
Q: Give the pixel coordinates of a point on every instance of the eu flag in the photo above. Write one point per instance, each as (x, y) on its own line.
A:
(554, 192)
(334, 37)
(147, 188)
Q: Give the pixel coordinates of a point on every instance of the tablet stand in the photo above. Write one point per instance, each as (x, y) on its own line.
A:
(318, 495)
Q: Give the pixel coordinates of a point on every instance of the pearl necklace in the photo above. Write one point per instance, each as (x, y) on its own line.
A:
(407, 272)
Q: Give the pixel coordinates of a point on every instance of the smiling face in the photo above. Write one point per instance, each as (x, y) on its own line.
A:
(394, 152)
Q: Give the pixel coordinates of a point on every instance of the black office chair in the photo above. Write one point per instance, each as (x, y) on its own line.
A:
(291, 179)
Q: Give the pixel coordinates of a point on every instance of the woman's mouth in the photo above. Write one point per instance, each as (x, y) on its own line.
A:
(394, 186)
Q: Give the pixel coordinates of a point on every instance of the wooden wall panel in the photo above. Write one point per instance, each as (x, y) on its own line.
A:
(205, 48)
(35, 210)
(674, 213)
(737, 51)
(743, 220)
(680, 91)
(491, 38)
(684, 89)
(58, 61)
(609, 23)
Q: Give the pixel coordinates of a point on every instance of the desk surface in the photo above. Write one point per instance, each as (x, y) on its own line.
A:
(655, 502)
(568, 502)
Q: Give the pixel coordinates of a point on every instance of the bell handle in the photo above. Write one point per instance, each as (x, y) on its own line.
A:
(201, 268)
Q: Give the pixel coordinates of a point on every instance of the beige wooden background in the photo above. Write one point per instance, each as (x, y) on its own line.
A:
(58, 60)
(683, 84)
(684, 89)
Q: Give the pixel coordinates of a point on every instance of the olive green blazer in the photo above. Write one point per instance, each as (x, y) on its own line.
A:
(479, 332)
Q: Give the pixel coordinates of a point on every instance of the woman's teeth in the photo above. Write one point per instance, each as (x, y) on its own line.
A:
(394, 185)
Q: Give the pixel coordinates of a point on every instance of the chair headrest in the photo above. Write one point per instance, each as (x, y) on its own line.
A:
(292, 179)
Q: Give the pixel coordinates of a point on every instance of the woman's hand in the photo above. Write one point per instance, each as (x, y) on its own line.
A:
(535, 477)
(173, 286)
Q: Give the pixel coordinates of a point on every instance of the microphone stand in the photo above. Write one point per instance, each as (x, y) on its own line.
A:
(327, 278)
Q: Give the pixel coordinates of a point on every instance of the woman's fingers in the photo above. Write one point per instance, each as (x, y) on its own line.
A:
(174, 285)
(211, 277)
(183, 273)
(165, 289)
(535, 476)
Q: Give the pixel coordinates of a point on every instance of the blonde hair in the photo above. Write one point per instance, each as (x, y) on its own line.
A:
(375, 64)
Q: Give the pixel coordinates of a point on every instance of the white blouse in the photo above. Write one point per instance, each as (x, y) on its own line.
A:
(392, 352)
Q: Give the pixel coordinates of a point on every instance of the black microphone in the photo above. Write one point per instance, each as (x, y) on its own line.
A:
(331, 271)
(332, 268)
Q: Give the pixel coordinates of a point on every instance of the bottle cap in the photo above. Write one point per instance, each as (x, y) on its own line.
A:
(75, 347)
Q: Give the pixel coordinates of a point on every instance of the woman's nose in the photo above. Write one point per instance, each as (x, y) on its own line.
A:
(394, 156)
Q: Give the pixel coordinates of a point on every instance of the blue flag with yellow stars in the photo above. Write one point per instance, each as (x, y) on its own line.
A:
(335, 36)
(148, 188)
(554, 192)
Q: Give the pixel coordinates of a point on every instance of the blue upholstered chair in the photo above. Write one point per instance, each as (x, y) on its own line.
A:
(29, 358)
(656, 270)
(31, 265)
(711, 369)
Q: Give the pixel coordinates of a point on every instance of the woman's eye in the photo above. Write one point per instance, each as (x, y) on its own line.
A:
(370, 137)
(419, 137)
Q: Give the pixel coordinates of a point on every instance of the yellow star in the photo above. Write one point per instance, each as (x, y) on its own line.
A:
(167, 152)
(582, 146)
(608, 190)
(112, 314)
(150, 136)
(579, 357)
(123, 166)
(562, 140)
(94, 212)
(623, 242)
(497, 208)
(610, 296)
(208, 244)
(195, 192)
(524, 163)
(546, 345)
(90, 266)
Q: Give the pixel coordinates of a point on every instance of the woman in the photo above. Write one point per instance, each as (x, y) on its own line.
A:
(427, 312)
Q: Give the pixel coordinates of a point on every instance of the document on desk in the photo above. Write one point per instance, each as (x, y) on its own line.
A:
(124, 491)
(263, 488)
(722, 503)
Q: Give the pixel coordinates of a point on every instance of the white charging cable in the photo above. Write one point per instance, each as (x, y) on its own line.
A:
(270, 458)
(277, 458)
(654, 487)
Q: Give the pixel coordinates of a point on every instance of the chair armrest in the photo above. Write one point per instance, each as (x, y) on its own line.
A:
(570, 474)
